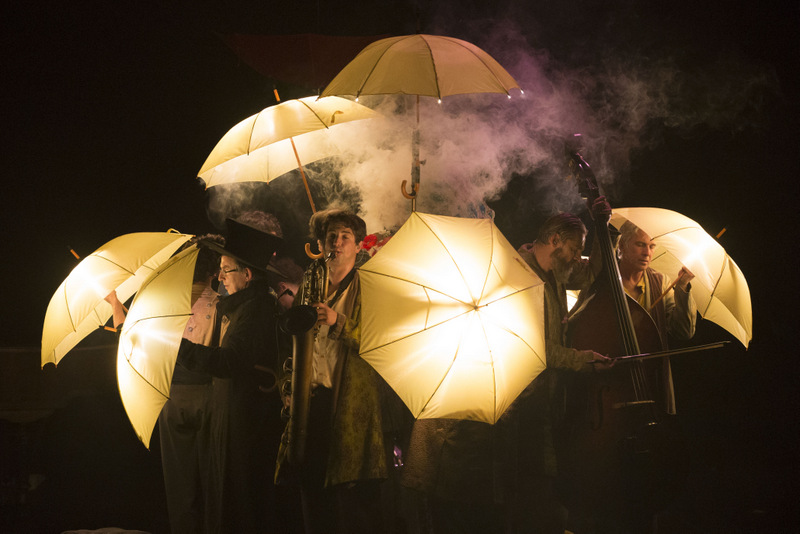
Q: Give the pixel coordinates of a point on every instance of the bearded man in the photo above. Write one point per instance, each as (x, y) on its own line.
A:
(555, 256)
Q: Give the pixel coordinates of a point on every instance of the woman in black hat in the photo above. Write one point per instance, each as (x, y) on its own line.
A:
(247, 355)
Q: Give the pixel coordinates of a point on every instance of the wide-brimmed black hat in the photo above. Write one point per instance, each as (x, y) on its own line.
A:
(249, 246)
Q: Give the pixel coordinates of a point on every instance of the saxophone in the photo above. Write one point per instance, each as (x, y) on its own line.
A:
(315, 289)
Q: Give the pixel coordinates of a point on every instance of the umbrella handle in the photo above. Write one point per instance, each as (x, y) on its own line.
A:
(310, 254)
(414, 190)
(673, 284)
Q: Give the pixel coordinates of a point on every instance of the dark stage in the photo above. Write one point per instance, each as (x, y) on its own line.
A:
(110, 109)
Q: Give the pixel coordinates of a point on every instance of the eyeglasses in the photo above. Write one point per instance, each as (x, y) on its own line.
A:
(228, 271)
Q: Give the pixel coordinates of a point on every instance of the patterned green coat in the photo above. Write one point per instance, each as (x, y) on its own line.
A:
(361, 425)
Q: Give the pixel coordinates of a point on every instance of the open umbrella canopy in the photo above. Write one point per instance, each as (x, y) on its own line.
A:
(426, 65)
(78, 307)
(719, 287)
(452, 318)
(275, 141)
(421, 65)
(150, 338)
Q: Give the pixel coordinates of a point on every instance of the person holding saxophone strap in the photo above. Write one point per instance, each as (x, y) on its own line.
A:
(346, 452)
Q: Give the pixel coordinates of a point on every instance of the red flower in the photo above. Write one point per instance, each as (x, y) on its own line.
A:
(369, 241)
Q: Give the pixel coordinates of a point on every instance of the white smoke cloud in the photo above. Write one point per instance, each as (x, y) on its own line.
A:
(473, 145)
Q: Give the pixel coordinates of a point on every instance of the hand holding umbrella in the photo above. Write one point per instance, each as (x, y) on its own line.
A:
(718, 285)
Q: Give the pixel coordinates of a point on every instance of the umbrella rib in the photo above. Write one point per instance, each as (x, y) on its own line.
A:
(127, 359)
(673, 230)
(136, 371)
(482, 61)
(69, 312)
(455, 263)
(491, 359)
(429, 327)
(165, 316)
(375, 66)
(444, 375)
(420, 284)
(716, 284)
(252, 129)
(433, 64)
(132, 273)
(66, 298)
(320, 119)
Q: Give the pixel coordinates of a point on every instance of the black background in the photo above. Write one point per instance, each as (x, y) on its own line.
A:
(110, 108)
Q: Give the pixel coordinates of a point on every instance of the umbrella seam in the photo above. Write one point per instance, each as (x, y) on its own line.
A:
(315, 114)
(423, 286)
(494, 374)
(673, 230)
(444, 375)
(252, 129)
(483, 62)
(136, 371)
(447, 249)
(374, 66)
(433, 64)
(716, 284)
(431, 327)
(127, 358)
(66, 298)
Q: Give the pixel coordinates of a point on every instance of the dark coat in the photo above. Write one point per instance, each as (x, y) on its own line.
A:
(247, 355)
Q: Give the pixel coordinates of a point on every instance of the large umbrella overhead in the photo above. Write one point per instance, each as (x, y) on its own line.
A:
(78, 307)
(719, 287)
(452, 318)
(421, 65)
(279, 139)
(150, 338)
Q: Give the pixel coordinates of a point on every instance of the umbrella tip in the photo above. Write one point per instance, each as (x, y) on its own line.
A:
(721, 232)
(75, 254)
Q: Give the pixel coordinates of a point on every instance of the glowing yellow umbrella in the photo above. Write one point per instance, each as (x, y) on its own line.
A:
(150, 338)
(719, 287)
(272, 142)
(78, 307)
(421, 65)
(452, 318)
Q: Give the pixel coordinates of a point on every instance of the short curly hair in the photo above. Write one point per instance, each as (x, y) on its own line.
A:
(565, 225)
(207, 259)
(321, 221)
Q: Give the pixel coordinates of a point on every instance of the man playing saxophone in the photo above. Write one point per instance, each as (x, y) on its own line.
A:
(345, 451)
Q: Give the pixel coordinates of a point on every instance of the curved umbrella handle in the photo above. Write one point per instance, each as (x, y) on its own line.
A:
(414, 190)
(310, 254)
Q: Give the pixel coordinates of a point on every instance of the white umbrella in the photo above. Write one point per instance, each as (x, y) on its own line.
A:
(279, 139)
(77, 308)
(452, 318)
(150, 339)
(719, 288)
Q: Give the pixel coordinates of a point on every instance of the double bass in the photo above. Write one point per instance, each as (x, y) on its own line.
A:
(616, 450)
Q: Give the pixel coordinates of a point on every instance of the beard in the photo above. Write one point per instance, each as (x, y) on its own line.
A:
(562, 267)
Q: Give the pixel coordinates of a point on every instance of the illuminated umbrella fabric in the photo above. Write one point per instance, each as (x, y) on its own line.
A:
(426, 65)
(150, 338)
(77, 308)
(276, 140)
(719, 287)
(421, 65)
(452, 318)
